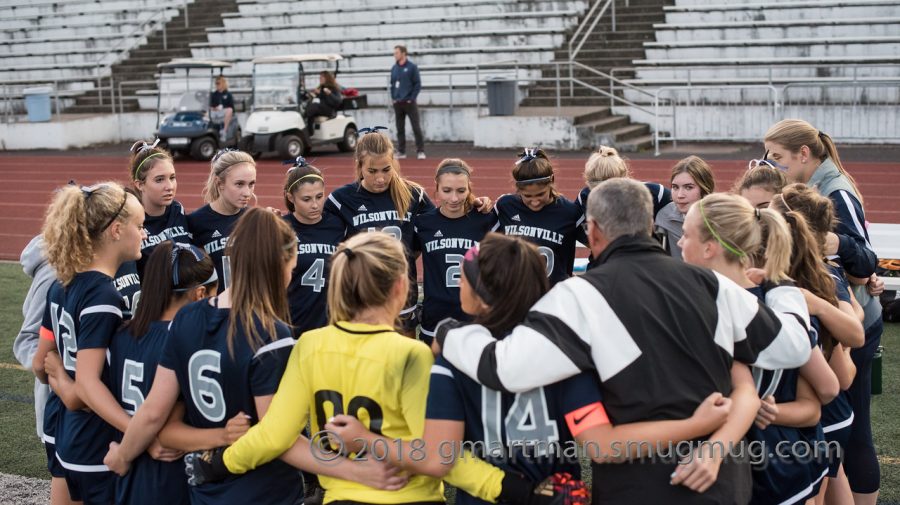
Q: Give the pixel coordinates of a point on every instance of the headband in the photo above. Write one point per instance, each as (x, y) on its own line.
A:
(195, 251)
(733, 249)
(88, 191)
(537, 180)
(753, 164)
(145, 147)
(473, 274)
(452, 169)
(300, 162)
(221, 152)
(784, 201)
(372, 129)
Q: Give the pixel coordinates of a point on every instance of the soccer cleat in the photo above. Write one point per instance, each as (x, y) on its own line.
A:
(205, 466)
(420, 155)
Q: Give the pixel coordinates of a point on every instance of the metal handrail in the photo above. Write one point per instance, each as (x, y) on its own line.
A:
(673, 136)
(590, 16)
(140, 28)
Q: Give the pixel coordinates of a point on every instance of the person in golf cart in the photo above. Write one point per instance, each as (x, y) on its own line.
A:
(324, 100)
(222, 105)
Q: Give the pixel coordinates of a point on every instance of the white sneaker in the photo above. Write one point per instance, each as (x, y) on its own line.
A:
(421, 155)
(401, 156)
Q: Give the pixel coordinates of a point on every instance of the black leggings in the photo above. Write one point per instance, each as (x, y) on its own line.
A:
(860, 461)
(313, 110)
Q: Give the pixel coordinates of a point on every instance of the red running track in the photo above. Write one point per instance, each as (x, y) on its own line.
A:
(27, 182)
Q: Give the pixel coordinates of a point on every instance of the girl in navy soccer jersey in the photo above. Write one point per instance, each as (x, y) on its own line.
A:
(606, 164)
(541, 215)
(443, 235)
(838, 333)
(724, 232)
(152, 174)
(691, 180)
(382, 199)
(177, 274)
(225, 356)
(531, 433)
(228, 191)
(760, 183)
(318, 234)
(809, 156)
(89, 233)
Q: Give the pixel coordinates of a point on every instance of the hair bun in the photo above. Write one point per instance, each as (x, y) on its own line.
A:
(606, 151)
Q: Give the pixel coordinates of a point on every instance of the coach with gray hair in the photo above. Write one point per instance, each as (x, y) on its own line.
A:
(661, 335)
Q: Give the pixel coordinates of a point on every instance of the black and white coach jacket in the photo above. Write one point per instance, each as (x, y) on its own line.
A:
(660, 334)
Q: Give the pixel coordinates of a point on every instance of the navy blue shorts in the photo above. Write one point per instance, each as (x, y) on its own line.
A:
(53, 465)
(92, 487)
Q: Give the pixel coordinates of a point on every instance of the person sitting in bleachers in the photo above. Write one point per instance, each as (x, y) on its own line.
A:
(325, 100)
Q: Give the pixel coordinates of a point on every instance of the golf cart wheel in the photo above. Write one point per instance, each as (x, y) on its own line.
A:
(203, 148)
(291, 146)
(351, 136)
(246, 144)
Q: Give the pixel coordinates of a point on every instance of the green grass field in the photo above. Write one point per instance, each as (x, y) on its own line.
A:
(22, 454)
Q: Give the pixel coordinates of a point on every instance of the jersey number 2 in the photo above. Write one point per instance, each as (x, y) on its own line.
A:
(454, 262)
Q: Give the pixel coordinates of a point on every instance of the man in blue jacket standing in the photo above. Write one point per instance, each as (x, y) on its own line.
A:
(405, 87)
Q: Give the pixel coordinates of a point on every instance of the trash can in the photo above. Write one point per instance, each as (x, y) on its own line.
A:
(501, 96)
(37, 103)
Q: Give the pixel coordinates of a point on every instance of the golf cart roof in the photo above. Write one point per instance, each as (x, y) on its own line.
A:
(192, 63)
(298, 58)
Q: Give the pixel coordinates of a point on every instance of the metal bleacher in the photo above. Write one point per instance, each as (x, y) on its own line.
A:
(71, 44)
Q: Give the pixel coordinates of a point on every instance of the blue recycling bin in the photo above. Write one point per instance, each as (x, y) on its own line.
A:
(37, 103)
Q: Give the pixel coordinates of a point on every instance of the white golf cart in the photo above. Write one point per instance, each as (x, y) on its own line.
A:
(278, 115)
(186, 122)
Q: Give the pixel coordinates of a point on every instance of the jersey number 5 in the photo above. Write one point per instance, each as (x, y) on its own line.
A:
(132, 371)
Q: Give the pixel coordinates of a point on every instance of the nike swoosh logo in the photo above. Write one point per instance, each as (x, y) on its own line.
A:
(577, 420)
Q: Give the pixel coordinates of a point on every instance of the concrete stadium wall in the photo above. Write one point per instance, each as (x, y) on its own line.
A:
(460, 124)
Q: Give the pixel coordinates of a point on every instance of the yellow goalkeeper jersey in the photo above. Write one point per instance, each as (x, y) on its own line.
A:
(372, 373)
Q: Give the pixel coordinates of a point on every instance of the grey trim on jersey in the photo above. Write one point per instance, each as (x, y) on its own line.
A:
(274, 346)
(100, 309)
(334, 200)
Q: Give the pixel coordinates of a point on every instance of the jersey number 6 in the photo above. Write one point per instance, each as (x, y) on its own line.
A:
(206, 391)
